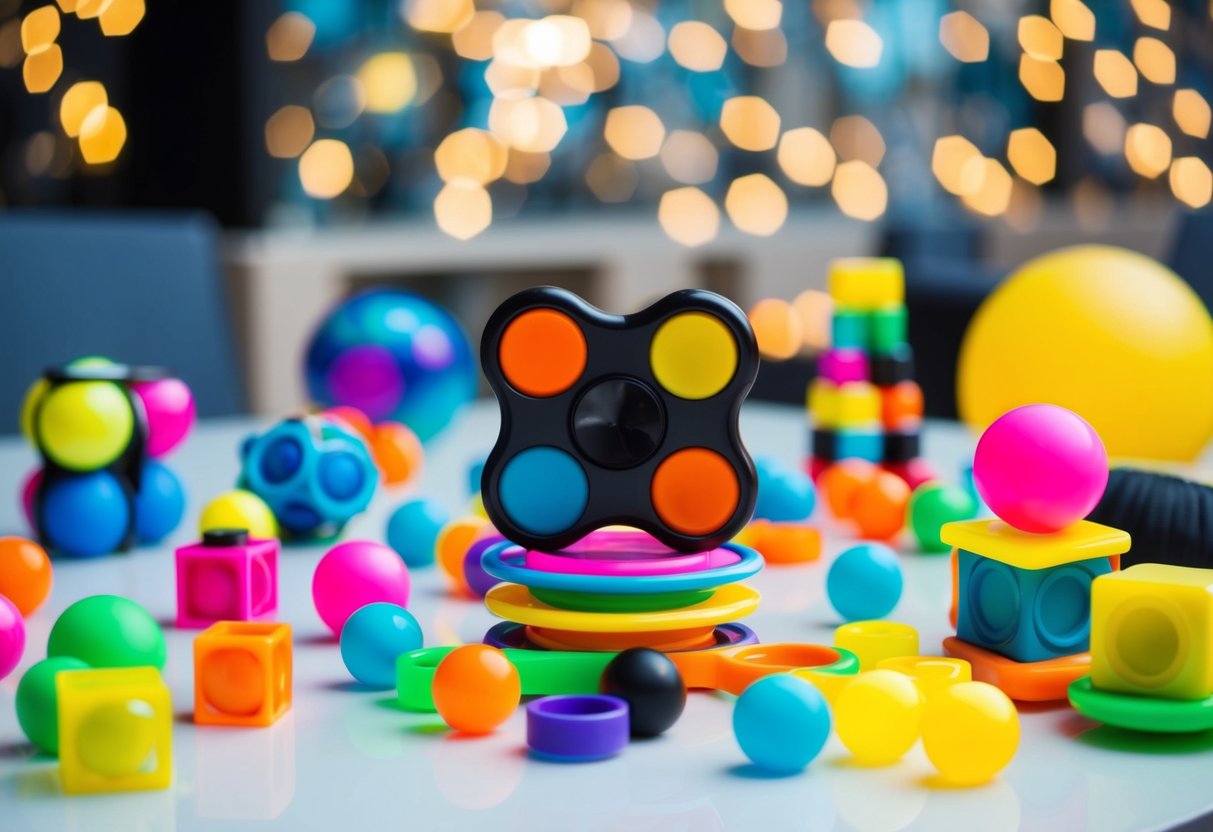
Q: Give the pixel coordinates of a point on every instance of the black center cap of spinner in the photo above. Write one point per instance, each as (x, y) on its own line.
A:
(618, 423)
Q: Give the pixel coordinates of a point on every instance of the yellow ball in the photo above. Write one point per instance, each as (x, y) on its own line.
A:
(116, 740)
(878, 716)
(1108, 333)
(970, 732)
(30, 405)
(239, 509)
(85, 425)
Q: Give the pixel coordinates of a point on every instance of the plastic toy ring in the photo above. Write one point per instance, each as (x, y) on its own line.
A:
(577, 728)
(627, 554)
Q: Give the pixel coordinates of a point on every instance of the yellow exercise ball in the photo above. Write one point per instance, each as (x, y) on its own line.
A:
(239, 509)
(84, 425)
(1108, 333)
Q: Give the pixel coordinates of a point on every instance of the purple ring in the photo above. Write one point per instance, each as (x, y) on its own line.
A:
(577, 728)
(505, 634)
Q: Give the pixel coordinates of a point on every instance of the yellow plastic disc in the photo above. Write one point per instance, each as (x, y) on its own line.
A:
(693, 355)
(879, 716)
(514, 602)
(239, 509)
(85, 425)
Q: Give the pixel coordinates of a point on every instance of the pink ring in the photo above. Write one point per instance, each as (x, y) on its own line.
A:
(615, 553)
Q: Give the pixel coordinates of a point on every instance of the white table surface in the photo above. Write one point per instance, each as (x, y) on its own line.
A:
(345, 758)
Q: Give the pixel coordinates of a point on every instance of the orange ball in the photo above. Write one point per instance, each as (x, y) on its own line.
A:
(879, 506)
(353, 418)
(476, 688)
(901, 405)
(25, 574)
(397, 452)
(842, 481)
(452, 545)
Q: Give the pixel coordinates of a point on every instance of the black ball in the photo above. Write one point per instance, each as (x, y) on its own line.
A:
(651, 685)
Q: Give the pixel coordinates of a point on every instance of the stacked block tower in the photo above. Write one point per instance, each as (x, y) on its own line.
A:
(864, 402)
(1022, 583)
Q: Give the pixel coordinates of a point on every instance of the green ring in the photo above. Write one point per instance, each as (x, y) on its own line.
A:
(1141, 713)
(593, 602)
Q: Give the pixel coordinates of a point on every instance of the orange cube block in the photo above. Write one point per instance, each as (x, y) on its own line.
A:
(242, 673)
(901, 405)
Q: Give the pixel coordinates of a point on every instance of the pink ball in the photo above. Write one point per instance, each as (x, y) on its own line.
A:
(12, 636)
(28, 489)
(169, 405)
(354, 574)
(1040, 468)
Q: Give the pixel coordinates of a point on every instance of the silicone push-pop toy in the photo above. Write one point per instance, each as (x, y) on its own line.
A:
(609, 419)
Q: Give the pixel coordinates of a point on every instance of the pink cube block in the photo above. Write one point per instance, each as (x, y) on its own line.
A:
(843, 365)
(226, 577)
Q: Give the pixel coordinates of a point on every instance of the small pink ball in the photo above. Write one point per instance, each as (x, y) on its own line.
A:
(169, 405)
(28, 489)
(1040, 468)
(354, 574)
(12, 636)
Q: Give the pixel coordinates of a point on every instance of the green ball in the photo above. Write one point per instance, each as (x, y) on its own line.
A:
(108, 631)
(38, 703)
(931, 505)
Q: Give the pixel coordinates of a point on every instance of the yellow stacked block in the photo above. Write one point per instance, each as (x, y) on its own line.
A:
(855, 404)
(998, 541)
(867, 283)
(115, 730)
(1152, 632)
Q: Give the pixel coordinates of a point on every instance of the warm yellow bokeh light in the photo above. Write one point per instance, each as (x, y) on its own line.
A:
(644, 41)
(42, 68)
(815, 309)
(859, 190)
(749, 122)
(992, 193)
(688, 216)
(1073, 18)
(697, 46)
(289, 37)
(1032, 155)
(1153, 13)
(1025, 208)
(776, 328)
(634, 132)
(509, 80)
(607, 19)
(523, 168)
(948, 161)
(854, 137)
(463, 209)
(760, 47)
(567, 86)
(756, 205)
(121, 17)
(854, 43)
(1115, 73)
(472, 155)
(474, 40)
(66, 6)
(1155, 60)
(80, 99)
(689, 157)
(1040, 38)
(389, 82)
(605, 66)
(806, 157)
(1191, 181)
(289, 131)
(89, 9)
(102, 135)
(444, 16)
(1148, 150)
(326, 168)
(39, 29)
(1044, 80)
(534, 125)
(755, 14)
(612, 178)
(1104, 127)
(1191, 113)
(556, 40)
(964, 37)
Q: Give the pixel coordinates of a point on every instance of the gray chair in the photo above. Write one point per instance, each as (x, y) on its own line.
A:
(137, 288)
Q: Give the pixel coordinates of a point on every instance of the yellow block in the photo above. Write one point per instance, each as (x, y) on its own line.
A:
(115, 730)
(1152, 631)
(996, 540)
(875, 641)
(867, 283)
(851, 405)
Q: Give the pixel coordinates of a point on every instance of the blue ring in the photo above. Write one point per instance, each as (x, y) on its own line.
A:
(504, 562)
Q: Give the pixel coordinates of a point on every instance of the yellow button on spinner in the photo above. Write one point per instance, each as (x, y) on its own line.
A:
(693, 355)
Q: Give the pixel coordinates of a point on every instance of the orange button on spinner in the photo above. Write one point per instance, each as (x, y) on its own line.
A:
(542, 352)
(695, 491)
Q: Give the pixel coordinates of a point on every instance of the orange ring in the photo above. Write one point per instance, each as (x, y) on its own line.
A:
(669, 641)
(695, 491)
(542, 352)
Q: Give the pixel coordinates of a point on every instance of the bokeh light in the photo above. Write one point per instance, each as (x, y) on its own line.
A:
(534, 125)
(634, 132)
(964, 37)
(289, 131)
(443, 16)
(854, 43)
(1155, 60)
(755, 14)
(120, 17)
(388, 81)
(776, 328)
(816, 311)
(463, 209)
(1073, 18)
(1104, 127)
(854, 137)
(859, 190)
(1191, 181)
(806, 157)
(289, 37)
(697, 46)
(102, 135)
(80, 99)
(326, 168)
(1191, 113)
(688, 216)
(1044, 80)
(760, 47)
(39, 29)
(1039, 38)
(1147, 150)
(750, 122)
(756, 205)
(42, 68)
(474, 40)
(1115, 73)
(948, 161)
(1155, 13)
(991, 195)
(1032, 155)
(689, 157)
(471, 155)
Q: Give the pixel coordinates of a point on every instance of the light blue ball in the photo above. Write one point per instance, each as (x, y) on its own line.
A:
(865, 582)
(475, 472)
(160, 503)
(373, 637)
(781, 723)
(413, 529)
(86, 515)
(785, 494)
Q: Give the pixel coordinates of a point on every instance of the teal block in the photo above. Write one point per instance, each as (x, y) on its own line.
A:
(852, 330)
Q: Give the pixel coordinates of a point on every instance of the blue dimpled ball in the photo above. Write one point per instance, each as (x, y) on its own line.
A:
(543, 490)
(865, 582)
(394, 356)
(785, 494)
(159, 504)
(781, 723)
(373, 637)
(413, 530)
(85, 515)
